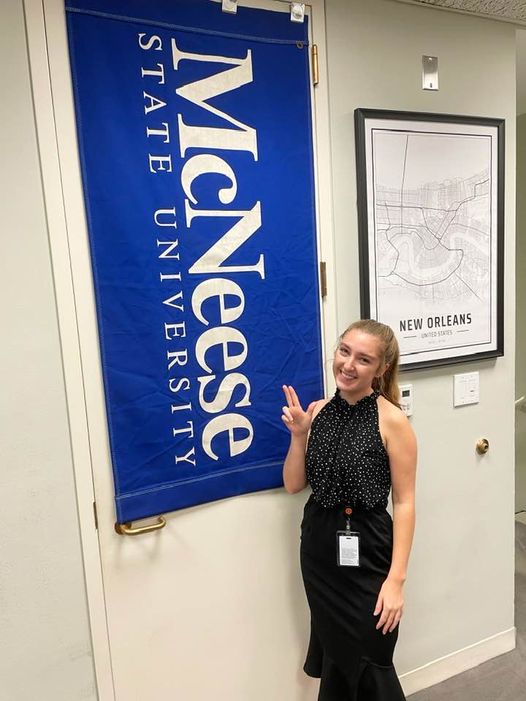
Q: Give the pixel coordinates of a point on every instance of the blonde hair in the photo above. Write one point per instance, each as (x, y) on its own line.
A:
(387, 383)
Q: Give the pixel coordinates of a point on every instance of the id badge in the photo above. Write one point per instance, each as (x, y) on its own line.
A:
(348, 548)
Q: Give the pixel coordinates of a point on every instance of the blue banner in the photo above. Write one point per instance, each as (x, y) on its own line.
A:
(196, 152)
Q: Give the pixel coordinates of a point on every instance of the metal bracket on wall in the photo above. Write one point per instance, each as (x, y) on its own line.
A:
(430, 72)
(315, 68)
(128, 529)
(323, 278)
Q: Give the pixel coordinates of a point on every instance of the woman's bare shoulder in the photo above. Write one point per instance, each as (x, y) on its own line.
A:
(390, 413)
(395, 427)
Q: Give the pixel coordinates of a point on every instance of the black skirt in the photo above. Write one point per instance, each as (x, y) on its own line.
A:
(352, 658)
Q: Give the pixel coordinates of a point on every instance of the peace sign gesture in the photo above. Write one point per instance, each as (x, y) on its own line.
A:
(294, 417)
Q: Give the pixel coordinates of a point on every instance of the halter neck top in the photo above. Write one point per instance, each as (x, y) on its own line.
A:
(346, 461)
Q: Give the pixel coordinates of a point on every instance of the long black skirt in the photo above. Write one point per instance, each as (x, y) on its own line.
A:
(352, 658)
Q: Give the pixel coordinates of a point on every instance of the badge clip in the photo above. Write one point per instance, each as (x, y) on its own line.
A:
(348, 513)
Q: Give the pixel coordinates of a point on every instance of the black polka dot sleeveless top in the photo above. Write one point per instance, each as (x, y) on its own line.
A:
(346, 461)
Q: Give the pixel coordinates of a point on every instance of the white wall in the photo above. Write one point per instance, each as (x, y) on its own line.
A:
(460, 588)
(520, 368)
(45, 649)
(463, 555)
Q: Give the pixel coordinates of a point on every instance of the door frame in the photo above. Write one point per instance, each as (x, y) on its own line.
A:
(70, 255)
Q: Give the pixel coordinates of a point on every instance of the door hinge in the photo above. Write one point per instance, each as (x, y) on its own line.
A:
(315, 69)
(323, 278)
(95, 517)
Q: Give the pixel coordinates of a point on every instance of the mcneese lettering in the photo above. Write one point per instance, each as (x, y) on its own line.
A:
(228, 423)
(243, 137)
(212, 261)
(224, 392)
(220, 288)
(218, 297)
(206, 164)
(225, 337)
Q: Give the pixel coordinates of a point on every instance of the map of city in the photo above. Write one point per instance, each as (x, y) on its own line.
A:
(432, 235)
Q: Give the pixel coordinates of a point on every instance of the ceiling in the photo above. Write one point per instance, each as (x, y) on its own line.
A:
(504, 10)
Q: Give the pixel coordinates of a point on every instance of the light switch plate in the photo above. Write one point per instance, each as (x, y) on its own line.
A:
(466, 389)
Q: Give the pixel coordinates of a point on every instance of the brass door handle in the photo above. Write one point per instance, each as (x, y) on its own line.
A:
(482, 446)
(127, 529)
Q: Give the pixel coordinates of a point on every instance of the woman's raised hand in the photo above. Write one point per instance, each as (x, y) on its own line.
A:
(294, 417)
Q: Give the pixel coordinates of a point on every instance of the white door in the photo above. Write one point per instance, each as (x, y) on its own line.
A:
(212, 606)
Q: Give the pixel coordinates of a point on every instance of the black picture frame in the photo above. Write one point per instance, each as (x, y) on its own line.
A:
(430, 199)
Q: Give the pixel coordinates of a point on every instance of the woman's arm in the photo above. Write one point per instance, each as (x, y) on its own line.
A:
(298, 422)
(294, 477)
(401, 448)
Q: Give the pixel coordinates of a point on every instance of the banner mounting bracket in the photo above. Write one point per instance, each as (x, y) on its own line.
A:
(128, 529)
(315, 67)
(297, 11)
(229, 6)
(323, 279)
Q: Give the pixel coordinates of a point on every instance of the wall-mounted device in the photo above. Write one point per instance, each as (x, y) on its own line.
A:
(429, 72)
(406, 399)
(466, 389)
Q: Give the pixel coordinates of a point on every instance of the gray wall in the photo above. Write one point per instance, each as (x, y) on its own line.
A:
(45, 649)
(462, 559)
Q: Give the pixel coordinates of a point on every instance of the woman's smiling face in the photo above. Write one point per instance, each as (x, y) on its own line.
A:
(357, 361)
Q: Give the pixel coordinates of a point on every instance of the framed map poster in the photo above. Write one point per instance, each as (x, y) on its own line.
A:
(431, 232)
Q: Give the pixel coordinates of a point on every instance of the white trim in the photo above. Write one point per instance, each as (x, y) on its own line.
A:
(323, 185)
(67, 317)
(457, 662)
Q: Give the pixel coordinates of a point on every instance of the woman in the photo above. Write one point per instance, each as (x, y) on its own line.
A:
(352, 449)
